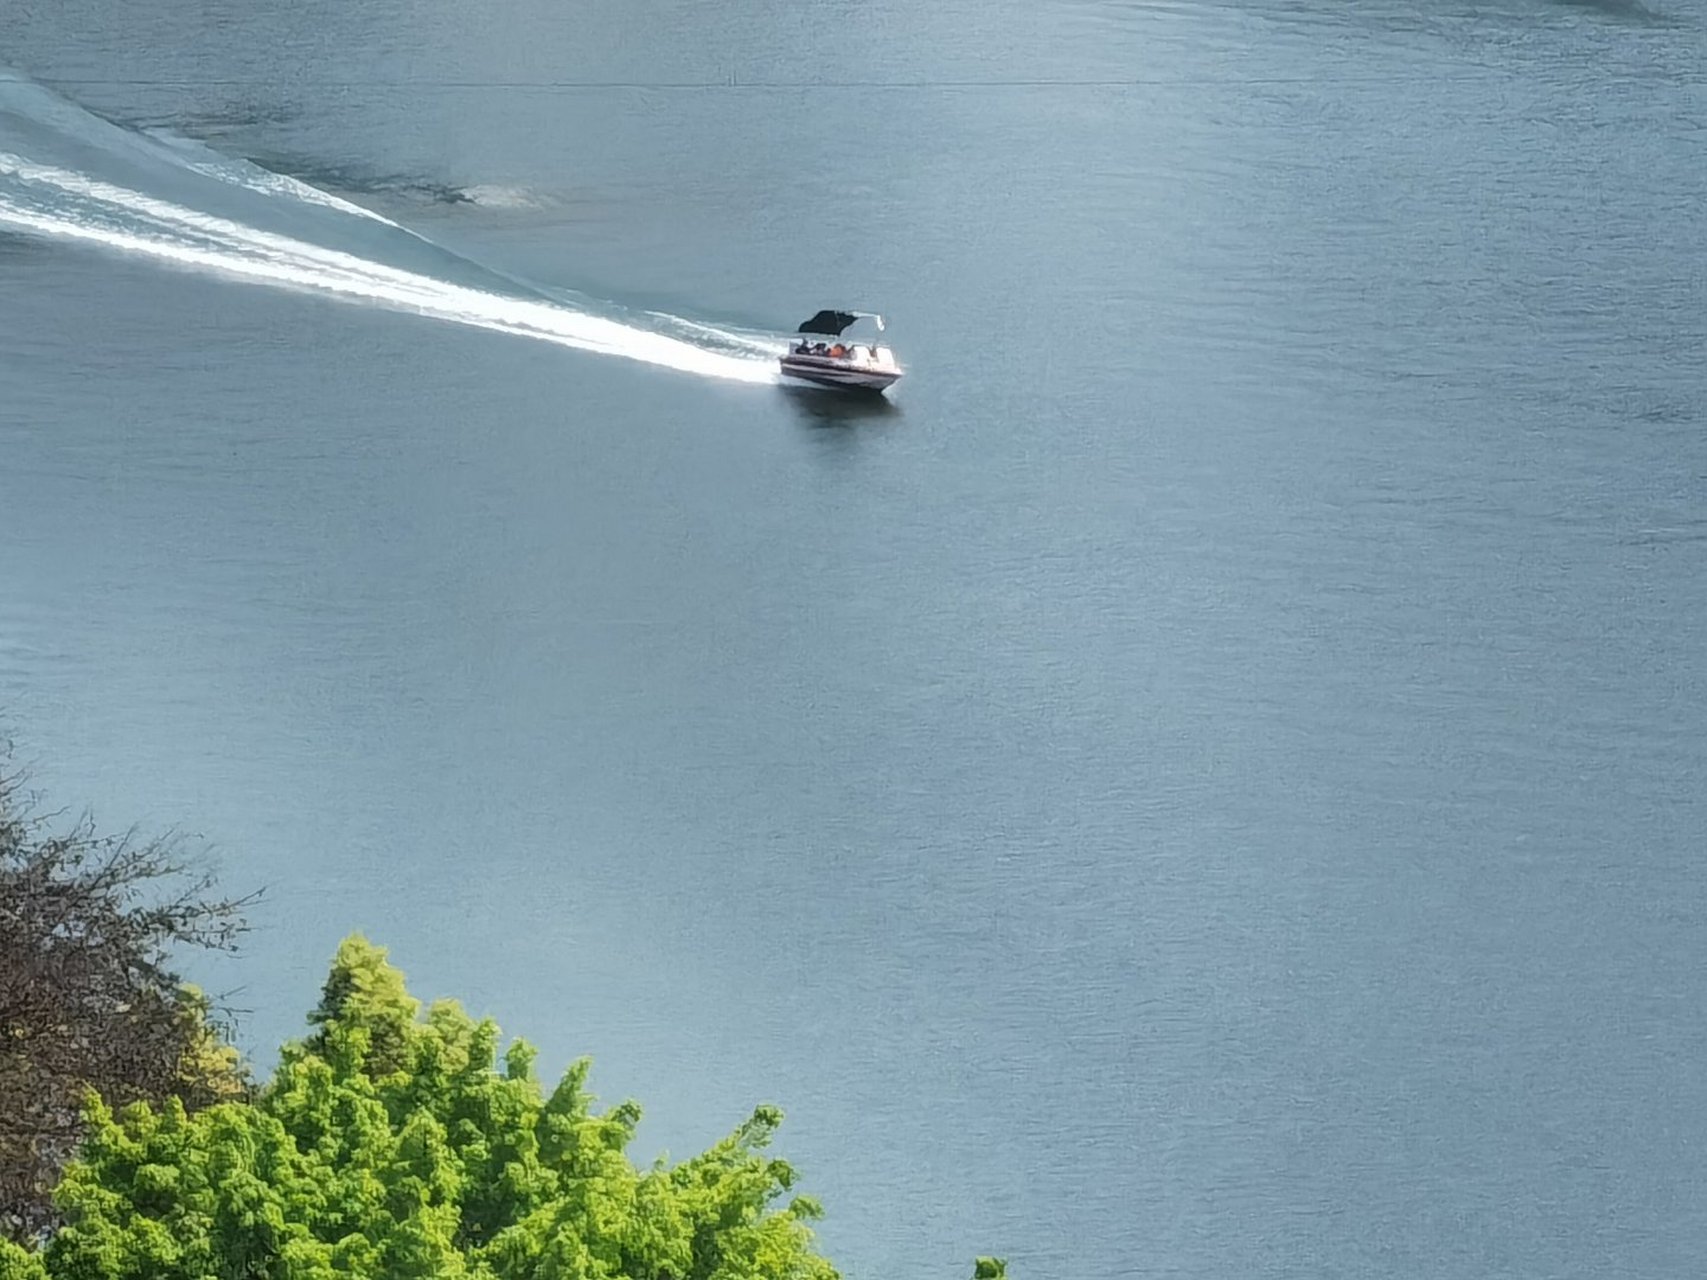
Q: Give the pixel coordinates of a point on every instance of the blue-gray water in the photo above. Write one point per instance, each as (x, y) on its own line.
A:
(1209, 785)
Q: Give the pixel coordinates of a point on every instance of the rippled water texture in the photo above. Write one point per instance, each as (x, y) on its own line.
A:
(1204, 780)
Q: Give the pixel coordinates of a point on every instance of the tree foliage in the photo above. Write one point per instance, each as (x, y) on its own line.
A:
(88, 1000)
(395, 1145)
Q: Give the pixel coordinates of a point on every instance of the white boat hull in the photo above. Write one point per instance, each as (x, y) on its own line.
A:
(827, 371)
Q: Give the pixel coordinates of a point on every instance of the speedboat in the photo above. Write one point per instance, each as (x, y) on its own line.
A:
(820, 355)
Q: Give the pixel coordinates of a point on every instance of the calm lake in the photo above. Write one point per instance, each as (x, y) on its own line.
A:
(1206, 780)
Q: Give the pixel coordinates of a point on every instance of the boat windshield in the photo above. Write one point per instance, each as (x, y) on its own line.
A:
(838, 350)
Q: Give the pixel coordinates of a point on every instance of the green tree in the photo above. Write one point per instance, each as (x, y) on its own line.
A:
(395, 1145)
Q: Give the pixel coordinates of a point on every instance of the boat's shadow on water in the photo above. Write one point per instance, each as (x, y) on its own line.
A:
(820, 407)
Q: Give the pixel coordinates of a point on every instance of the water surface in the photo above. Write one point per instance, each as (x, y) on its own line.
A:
(1207, 784)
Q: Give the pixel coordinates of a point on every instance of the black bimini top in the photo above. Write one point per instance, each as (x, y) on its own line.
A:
(828, 322)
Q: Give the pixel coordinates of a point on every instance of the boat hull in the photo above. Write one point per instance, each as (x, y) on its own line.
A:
(822, 372)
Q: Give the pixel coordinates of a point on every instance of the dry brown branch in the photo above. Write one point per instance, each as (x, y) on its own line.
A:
(89, 998)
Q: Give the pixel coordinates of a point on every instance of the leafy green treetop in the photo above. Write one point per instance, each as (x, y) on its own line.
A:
(394, 1146)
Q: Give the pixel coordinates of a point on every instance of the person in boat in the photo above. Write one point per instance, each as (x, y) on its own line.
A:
(838, 351)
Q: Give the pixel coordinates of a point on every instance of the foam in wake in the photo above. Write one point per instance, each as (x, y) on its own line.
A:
(183, 204)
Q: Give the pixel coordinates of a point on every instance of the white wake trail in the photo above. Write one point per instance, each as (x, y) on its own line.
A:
(67, 205)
